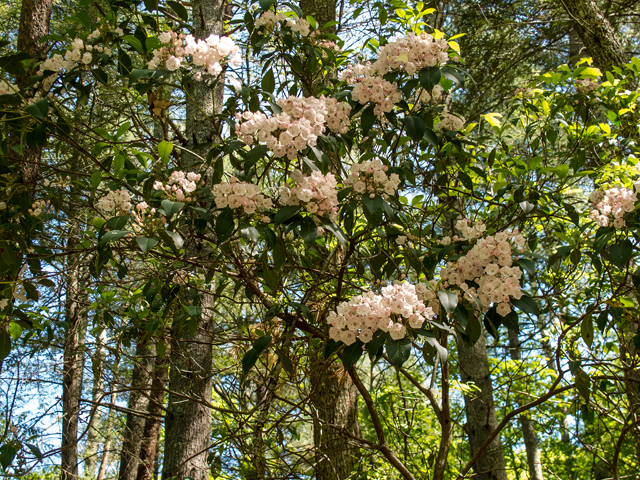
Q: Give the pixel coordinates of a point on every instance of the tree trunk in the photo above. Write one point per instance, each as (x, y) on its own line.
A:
(596, 33)
(108, 437)
(93, 429)
(480, 411)
(188, 419)
(138, 402)
(35, 17)
(323, 11)
(528, 431)
(149, 447)
(335, 399)
(72, 369)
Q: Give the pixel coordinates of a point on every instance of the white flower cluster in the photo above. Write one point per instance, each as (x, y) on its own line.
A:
(392, 311)
(371, 88)
(115, 200)
(269, 19)
(7, 88)
(296, 127)
(468, 229)
(209, 53)
(449, 121)
(243, 195)
(613, 202)
(317, 192)
(371, 177)
(488, 265)
(38, 206)
(410, 53)
(586, 85)
(435, 97)
(180, 186)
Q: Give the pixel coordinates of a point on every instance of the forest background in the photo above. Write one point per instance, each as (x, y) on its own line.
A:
(185, 249)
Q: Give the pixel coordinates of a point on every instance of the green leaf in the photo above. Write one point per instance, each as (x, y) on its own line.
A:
(261, 343)
(180, 10)
(286, 362)
(309, 230)
(112, 236)
(7, 454)
(583, 383)
(621, 252)
(265, 4)
(368, 118)
(5, 344)
(398, 351)
(586, 330)
(527, 305)
(146, 244)
(449, 300)
(268, 82)
(285, 214)
(442, 352)
(372, 204)
(39, 109)
(224, 225)
(429, 77)
(602, 320)
(351, 354)
(164, 150)
(415, 126)
(279, 255)
(374, 346)
(174, 241)
(462, 315)
(135, 42)
(331, 347)
(474, 328)
(171, 208)
(249, 360)
(96, 178)
(136, 75)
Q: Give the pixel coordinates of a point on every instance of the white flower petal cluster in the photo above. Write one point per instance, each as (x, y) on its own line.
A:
(247, 196)
(316, 192)
(586, 85)
(489, 265)
(38, 206)
(371, 177)
(180, 186)
(269, 19)
(115, 200)
(7, 88)
(296, 127)
(449, 121)
(210, 53)
(397, 307)
(369, 87)
(612, 203)
(411, 54)
(468, 229)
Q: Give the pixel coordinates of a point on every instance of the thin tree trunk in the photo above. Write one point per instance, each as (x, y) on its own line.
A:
(528, 431)
(480, 410)
(149, 447)
(93, 429)
(138, 402)
(106, 449)
(335, 399)
(188, 418)
(72, 369)
(597, 34)
(323, 11)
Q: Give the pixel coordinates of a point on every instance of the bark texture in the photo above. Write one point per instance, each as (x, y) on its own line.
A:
(596, 33)
(138, 402)
(323, 11)
(188, 419)
(72, 370)
(35, 18)
(480, 411)
(149, 447)
(335, 400)
(93, 429)
(528, 430)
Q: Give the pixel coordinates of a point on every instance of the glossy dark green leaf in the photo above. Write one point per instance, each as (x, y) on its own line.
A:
(285, 213)
(449, 300)
(621, 252)
(146, 244)
(171, 208)
(527, 305)
(429, 77)
(112, 236)
(180, 10)
(5, 344)
(415, 127)
(351, 354)
(398, 351)
(268, 82)
(224, 224)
